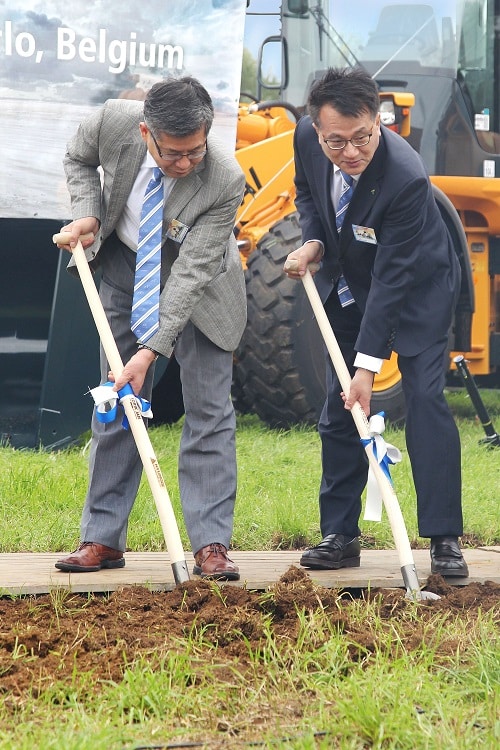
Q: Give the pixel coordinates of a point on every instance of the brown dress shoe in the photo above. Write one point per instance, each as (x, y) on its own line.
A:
(212, 562)
(91, 556)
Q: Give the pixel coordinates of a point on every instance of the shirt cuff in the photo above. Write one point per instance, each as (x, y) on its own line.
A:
(374, 364)
(319, 243)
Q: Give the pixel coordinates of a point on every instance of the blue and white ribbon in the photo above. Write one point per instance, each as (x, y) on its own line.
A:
(107, 400)
(386, 454)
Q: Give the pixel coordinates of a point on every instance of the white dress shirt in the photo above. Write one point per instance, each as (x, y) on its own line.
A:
(127, 227)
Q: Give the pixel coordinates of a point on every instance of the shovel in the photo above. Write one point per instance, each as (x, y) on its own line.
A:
(134, 416)
(391, 504)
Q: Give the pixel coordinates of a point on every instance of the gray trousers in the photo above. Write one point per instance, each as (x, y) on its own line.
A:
(207, 455)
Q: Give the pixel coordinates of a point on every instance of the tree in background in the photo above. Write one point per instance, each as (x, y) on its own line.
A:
(248, 74)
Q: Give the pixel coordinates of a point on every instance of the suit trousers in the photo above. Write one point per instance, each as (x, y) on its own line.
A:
(207, 453)
(432, 440)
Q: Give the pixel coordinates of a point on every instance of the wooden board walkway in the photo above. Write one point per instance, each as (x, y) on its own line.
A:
(34, 573)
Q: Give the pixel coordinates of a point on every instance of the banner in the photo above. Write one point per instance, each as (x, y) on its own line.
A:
(60, 59)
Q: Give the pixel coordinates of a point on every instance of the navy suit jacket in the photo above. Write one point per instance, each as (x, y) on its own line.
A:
(407, 283)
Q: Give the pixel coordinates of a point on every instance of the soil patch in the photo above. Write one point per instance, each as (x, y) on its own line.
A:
(45, 639)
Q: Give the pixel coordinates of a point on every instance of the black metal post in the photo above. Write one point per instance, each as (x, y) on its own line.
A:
(492, 438)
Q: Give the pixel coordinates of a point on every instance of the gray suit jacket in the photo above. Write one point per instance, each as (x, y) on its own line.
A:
(202, 277)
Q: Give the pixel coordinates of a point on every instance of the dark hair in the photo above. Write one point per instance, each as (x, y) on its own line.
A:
(350, 91)
(178, 107)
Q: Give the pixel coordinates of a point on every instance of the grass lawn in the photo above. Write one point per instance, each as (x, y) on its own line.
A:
(277, 503)
(296, 667)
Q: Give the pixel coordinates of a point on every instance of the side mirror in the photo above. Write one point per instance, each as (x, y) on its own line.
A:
(272, 65)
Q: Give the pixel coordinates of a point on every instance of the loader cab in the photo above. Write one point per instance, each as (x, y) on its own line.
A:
(445, 52)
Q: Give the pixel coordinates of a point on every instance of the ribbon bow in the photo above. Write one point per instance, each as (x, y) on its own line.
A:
(107, 400)
(386, 454)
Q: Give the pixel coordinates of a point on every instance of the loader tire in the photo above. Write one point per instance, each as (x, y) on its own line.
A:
(279, 365)
(279, 370)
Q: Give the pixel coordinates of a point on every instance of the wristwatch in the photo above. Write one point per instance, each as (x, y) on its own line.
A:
(145, 346)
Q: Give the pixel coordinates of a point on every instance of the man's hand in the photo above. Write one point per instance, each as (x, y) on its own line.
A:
(298, 260)
(134, 371)
(81, 229)
(360, 390)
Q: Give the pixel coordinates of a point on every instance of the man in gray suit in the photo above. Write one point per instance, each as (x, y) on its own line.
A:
(202, 308)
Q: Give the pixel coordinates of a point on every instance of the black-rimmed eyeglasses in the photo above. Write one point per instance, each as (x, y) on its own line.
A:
(191, 155)
(336, 144)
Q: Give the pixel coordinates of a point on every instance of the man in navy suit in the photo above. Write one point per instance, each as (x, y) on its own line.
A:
(389, 280)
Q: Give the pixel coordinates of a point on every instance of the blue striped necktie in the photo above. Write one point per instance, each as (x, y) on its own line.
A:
(146, 301)
(343, 290)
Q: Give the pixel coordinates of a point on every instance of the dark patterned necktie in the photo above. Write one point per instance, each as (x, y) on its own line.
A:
(343, 290)
(345, 198)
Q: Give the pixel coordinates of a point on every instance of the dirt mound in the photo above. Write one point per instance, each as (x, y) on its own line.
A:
(44, 639)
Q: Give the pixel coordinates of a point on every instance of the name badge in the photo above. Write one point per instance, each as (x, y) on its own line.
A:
(364, 234)
(177, 230)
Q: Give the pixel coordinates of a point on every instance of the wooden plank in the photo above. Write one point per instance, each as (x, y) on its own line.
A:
(34, 573)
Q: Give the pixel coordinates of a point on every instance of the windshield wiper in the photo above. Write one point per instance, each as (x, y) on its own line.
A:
(335, 38)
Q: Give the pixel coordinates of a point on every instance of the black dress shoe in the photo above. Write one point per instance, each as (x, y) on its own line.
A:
(333, 552)
(447, 558)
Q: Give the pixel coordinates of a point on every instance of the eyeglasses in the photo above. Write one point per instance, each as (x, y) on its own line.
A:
(335, 144)
(191, 155)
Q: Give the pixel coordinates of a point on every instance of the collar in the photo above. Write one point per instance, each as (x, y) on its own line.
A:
(149, 162)
(355, 177)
